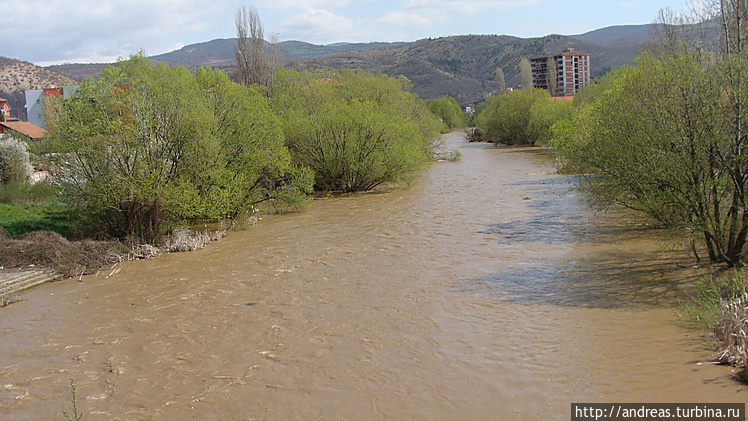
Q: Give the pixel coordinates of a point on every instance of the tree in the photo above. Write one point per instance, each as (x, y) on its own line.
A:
(552, 77)
(544, 113)
(525, 73)
(449, 112)
(15, 163)
(256, 165)
(670, 140)
(130, 139)
(508, 119)
(354, 129)
(254, 67)
(147, 148)
(500, 81)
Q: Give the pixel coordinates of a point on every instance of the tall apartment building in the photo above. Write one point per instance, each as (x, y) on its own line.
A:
(562, 74)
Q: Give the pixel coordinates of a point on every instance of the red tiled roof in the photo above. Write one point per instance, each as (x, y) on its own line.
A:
(31, 130)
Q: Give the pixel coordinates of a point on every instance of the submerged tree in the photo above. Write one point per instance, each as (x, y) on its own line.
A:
(146, 148)
(449, 112)
(521, 117)
(670, 138)
(354, 129)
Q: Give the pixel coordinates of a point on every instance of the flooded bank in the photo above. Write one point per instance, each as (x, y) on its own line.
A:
(487, 290)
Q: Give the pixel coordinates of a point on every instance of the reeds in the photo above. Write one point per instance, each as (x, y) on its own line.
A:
(731, 330)
(8, 299)
(183, 240)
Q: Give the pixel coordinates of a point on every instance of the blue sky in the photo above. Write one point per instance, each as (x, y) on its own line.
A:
(69, 31)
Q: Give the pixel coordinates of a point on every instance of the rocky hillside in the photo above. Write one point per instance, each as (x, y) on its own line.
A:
(18, 76)
(462, 67)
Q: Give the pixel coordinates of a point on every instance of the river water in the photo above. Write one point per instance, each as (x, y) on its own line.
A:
(486, 290)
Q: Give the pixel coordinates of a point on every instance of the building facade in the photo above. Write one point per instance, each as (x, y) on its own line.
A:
(35, 101)
(562, 74)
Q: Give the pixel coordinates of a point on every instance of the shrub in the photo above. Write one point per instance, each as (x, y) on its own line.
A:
(449, 112)
(522, 117)
(721, 303)
(149, 148)
(15, 164)
(354, 130)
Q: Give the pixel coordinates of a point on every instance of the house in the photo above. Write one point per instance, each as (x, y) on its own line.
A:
(14, 125)
(4, 109)
(35, 100)
(561, 74)
(24, 128)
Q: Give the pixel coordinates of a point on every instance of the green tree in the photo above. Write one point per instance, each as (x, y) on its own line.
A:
(147, 147)
(449, 112)
(354, 129)
(544, 113)
(256, 165)
(508, 119)
(669, 140)
(130, 138)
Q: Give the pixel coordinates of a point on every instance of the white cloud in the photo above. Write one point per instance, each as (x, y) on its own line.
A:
(405, 19)
(302, 4)
(94, 30)
(317, 25)
(629, 4)
(467, 6)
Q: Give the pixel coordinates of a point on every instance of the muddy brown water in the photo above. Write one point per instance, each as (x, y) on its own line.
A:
(486, 290)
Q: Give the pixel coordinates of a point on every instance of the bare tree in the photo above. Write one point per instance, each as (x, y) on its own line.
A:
(525, 73)
(552, 77)
(275, 60)
(251, 59)
(500, 81)
(694, 28)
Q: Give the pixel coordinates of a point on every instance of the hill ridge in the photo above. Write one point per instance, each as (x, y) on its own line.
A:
(460, 66)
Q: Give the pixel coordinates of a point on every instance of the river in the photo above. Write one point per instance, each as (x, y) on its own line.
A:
(486, 290)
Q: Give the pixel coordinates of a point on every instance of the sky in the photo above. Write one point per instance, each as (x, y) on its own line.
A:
(48, 32)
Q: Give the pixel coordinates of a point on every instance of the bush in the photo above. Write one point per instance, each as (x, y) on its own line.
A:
(354, 130)
(21, 192)
(449, 112)
(522, 117)
(15, 164)
(705, 303)
(149, 148)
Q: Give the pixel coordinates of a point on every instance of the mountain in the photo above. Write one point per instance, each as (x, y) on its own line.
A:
(625, 35)
(17, 76)
(220, 52)
(462, 67)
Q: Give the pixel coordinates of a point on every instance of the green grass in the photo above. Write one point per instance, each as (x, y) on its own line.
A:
(19, 218)
(704, 305)
(25, 208)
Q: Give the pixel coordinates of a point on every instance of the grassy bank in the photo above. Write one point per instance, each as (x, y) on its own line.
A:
(20, 218)
(720, 303)
(25, 208)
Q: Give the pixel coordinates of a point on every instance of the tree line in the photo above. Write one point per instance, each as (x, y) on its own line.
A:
(668, 137)
(145, 148)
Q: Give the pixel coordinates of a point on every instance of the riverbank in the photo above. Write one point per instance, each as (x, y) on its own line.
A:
(485, 290)
(44, 256)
